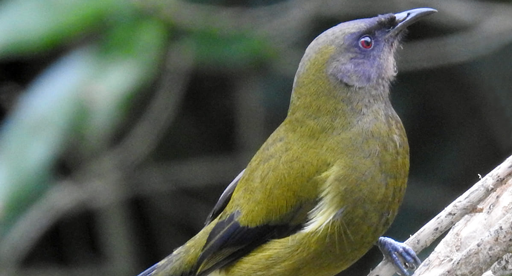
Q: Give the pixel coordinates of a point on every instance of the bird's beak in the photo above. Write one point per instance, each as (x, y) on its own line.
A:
(406, 18)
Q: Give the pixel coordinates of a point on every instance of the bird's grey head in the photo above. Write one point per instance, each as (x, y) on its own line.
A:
(362, 51)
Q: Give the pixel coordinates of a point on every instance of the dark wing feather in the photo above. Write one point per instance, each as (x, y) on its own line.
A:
(149, 271)
(224, 199)
(229, 241)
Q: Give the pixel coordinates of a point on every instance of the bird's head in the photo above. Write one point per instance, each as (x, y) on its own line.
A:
(360, 53)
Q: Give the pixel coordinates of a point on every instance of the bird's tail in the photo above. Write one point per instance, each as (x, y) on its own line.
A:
(149, 271)
(183, 261)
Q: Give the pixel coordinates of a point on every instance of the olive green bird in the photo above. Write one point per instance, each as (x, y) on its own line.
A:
(328, 182)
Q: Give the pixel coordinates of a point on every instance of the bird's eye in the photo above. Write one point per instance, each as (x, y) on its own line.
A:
(366, 42)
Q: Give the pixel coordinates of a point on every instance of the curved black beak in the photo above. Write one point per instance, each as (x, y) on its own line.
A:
(406, 18)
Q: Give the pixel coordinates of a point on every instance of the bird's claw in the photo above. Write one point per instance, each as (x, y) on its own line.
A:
(402, 257)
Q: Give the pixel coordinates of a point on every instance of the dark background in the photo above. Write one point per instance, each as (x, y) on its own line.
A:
(223, 85)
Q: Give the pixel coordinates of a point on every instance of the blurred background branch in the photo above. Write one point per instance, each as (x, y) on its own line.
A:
(122, 121)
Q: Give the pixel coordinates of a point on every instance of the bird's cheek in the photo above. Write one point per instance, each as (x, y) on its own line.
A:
(358, 73)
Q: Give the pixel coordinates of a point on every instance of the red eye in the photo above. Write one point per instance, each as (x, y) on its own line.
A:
(366, 42)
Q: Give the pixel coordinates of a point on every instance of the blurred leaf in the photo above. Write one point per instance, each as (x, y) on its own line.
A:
(128, 59)
(35, 134)
(88, 88)
(230, 49)
(35, 25)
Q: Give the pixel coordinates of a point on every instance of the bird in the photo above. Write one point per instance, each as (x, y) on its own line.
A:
(328, 182)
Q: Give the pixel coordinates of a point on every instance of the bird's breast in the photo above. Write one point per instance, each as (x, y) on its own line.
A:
(364, 187)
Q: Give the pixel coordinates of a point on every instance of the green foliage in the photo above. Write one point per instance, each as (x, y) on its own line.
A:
(84, 94)
(127, 59)
(230, 49)
(33, 25)
(36, 132)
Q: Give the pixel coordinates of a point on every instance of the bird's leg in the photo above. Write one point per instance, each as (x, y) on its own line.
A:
(402, 257)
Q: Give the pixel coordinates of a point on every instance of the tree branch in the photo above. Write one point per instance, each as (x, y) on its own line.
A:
(465, 205)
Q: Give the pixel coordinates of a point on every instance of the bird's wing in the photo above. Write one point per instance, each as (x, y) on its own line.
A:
(224, 199)
(230, 241)
(269, 200)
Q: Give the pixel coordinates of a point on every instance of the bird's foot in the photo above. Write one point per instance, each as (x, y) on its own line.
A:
(402, 257)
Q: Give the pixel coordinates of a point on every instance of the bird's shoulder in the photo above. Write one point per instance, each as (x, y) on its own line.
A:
(283, 180)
